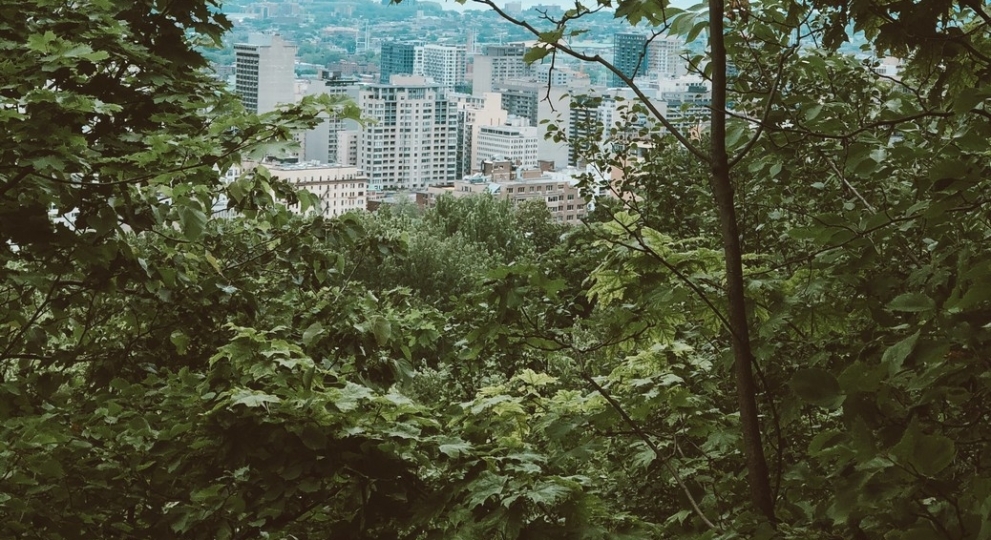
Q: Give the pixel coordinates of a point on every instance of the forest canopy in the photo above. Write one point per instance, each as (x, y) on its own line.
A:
(778, 329)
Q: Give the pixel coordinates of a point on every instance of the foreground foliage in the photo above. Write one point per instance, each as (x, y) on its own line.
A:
(475, 371)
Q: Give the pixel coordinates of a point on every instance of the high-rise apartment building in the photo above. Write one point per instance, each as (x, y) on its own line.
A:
(585, 120)
(399, 58)
(410, 140)
(533, 100)
(473, 113)
(500, 63)
(664, 58)
(600, 119)
(444, 64)
(322, 141)
(629, 56)
(264, 72)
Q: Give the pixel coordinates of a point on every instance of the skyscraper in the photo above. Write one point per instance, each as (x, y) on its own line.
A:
(445, 65)
(664, 58)
(499, 63)
(264, 72)
(629, 56)
(398, 58)
(411, 140)
(322, 141)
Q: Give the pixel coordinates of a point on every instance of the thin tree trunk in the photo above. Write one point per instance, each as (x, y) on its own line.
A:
(722, 189)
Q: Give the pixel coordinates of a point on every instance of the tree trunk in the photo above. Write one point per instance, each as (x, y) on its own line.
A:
(722, 190)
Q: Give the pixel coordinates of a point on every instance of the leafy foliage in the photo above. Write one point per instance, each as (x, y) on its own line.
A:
(474, 370)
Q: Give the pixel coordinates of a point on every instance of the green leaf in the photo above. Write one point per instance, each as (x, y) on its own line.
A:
(313, 437)
(312, 332)
(824, 441)
(861, 377)
(486, 486)
(968, 98)
(206, 494)
(349, 396)
(532, 378)
(193, 222)
(180, 340)
(895, 355)
(41, 42)
(927, 454)
(548, 493)
(381, 329)
(534, 54)
(817, 386)
(253, 399)
(454, 449)
(911, 302)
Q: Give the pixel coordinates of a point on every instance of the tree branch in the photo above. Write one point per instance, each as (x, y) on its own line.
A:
(650, 443)
(612, 68)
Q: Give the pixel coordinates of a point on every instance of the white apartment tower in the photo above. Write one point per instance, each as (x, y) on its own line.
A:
(322, 143)
(473, 113)
(445, 65)
(542, 106)
(664, 58)
(264, 72)
(410, 140)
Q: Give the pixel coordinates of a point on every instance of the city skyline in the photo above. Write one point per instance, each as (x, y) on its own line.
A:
(527, 4)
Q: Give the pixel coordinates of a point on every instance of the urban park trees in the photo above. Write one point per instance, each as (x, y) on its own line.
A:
(779, 330)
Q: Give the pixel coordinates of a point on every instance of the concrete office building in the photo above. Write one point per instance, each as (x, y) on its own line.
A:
(531, 99)
(558, 190)
(411, 138)
(560, 76)
(348, 146)
(515, 141)
(264, 72)
(340, 188)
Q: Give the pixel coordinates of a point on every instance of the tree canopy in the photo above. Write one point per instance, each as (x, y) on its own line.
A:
(778, 329)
